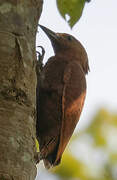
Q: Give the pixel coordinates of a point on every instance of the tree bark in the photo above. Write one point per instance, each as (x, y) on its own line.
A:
(18, 27)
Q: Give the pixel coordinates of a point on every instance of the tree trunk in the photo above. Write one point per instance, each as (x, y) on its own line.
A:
(18, 26)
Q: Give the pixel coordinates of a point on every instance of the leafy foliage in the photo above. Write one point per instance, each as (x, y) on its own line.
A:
(72, 9)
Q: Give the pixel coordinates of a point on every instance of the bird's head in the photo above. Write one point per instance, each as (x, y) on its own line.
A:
(66, 45)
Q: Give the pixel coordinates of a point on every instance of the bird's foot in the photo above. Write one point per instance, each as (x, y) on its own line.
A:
(38, 157)
(40, 57)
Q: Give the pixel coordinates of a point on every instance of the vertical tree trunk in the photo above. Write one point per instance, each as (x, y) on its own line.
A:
(18, 25)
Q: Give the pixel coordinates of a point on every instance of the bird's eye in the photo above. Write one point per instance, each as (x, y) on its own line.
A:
(69, 38)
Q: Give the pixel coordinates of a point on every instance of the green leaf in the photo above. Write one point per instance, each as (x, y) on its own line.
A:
(72, 9)
(37, 145)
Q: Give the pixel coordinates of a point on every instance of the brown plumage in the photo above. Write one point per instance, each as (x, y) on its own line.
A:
(61, 92)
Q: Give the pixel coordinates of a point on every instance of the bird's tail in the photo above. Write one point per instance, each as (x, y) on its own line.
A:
(47, 164)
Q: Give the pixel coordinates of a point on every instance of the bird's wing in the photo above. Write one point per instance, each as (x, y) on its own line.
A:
(73, 97)
(49, 108)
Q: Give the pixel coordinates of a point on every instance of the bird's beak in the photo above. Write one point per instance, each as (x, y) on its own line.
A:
(52, 35)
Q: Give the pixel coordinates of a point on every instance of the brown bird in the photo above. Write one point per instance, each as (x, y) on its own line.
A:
(61, 91)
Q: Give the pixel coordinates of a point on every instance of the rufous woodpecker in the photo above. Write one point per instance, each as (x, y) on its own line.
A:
(61, 90)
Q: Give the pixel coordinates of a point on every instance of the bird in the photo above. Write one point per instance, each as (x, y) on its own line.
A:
(60, 95)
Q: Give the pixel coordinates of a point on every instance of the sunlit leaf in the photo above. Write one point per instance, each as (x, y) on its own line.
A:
(37, 145)
(71, 10)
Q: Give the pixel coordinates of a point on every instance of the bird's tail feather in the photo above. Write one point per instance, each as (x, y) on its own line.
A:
(47, 164)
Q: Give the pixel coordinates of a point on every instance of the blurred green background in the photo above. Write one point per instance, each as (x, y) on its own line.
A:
(95, 151)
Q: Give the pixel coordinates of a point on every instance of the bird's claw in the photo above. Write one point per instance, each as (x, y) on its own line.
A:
(40, 57)
(38, 157)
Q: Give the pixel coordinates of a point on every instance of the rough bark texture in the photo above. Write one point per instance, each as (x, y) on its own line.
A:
(18, 25)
